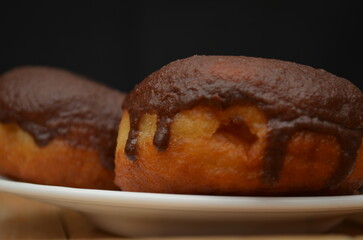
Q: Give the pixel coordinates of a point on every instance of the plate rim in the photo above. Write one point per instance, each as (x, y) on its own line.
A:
(120, 199)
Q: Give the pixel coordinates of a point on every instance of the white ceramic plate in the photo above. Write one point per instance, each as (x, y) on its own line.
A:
(148, 214)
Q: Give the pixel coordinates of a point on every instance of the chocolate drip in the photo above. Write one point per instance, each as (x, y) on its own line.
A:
(274, 154)
(161, 137)
(130, 148)
(293, 97)
(50, 103)
(281, 133)
(162, 134)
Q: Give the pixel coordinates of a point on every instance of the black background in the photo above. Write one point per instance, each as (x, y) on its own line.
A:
(121, 42)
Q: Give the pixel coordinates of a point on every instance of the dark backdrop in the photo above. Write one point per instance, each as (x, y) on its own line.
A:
(121, 42)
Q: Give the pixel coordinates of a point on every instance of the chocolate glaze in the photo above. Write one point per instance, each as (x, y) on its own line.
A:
(52, 103)
(293, 97)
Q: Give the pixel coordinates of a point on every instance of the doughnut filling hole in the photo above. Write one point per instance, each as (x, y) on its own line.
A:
(56, 163)
(215, 151)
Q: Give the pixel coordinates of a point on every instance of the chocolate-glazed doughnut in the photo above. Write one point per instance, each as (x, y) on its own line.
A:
(271, 128)
(58, 128)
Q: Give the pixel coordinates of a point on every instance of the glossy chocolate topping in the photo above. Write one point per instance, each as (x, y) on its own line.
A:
(293, 97)
(52, 103)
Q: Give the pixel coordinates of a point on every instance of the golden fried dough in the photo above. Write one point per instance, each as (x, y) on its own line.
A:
(54, 164)
(209, 154)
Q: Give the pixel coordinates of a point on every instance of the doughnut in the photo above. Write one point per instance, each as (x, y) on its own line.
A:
(58, 128)
(234, 125)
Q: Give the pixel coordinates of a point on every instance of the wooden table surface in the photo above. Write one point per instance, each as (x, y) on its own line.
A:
(26, 219)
